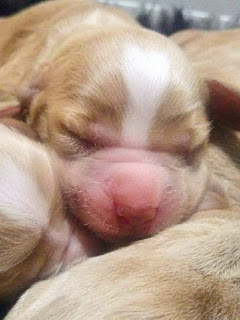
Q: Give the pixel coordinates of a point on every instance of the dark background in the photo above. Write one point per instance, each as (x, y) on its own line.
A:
(166, 16)
(11, 6)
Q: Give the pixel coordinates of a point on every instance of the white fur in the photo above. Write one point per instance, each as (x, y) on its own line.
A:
(19, 193)
(22, 198)
(146, 75)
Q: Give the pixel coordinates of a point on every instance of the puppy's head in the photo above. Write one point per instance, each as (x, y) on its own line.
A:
(127, 115)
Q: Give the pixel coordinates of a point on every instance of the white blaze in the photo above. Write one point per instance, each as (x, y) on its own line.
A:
(146, 74)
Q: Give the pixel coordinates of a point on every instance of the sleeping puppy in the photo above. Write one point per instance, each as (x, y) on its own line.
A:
(123, 109)
(190, 271)
(126, 115)
(37, 239)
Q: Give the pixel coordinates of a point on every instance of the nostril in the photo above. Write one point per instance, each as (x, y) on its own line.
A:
(150, 214)
(136, 216)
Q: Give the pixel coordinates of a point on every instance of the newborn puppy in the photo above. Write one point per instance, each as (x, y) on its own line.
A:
(37, 239)
(123, 109)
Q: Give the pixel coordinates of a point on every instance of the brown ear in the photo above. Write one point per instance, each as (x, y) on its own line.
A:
(16, 104)
(224, 106)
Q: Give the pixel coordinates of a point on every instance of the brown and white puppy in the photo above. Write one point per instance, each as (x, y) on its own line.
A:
(37, 238)
(190, 271)
(122, 107)
(128, 118)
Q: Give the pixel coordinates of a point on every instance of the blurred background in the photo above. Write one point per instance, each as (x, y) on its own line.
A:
(166, 16)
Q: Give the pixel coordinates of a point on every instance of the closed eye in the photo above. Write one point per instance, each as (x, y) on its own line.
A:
(84, 143)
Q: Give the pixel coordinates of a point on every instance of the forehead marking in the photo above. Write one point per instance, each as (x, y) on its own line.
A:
(146, 74)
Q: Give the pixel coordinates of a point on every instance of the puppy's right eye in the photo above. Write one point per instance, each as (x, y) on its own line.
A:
(85, 143)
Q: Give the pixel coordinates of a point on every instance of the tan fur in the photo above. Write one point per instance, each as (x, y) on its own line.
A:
(190, 271)
(215, 54)
(25, 39)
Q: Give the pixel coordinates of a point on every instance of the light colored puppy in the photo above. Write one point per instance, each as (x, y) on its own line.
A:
(37, 238)
(190, 271)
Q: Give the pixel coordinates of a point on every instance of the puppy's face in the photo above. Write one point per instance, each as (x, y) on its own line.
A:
(125, 112)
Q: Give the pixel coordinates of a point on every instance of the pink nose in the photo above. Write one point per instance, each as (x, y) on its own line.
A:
(136, 191)
(136, 216)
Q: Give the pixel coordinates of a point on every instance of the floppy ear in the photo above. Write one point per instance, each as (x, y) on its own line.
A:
(10, 106)
(224, 106)
(16, 103)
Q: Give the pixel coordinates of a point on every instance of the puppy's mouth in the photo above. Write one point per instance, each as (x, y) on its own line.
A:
(107, 224)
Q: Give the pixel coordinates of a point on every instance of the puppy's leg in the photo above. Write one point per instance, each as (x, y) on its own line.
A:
(188, 272)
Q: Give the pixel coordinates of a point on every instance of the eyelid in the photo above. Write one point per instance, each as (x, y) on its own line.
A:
(174, 143)
(97, 134)
(85, 142)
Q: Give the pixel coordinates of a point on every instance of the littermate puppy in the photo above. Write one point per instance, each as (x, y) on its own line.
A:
(190, 271)
(37, 238)
(124, 110)
(215, 54)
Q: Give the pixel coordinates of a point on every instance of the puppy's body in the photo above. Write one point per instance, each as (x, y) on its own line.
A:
(214, 54)
(190, 271)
